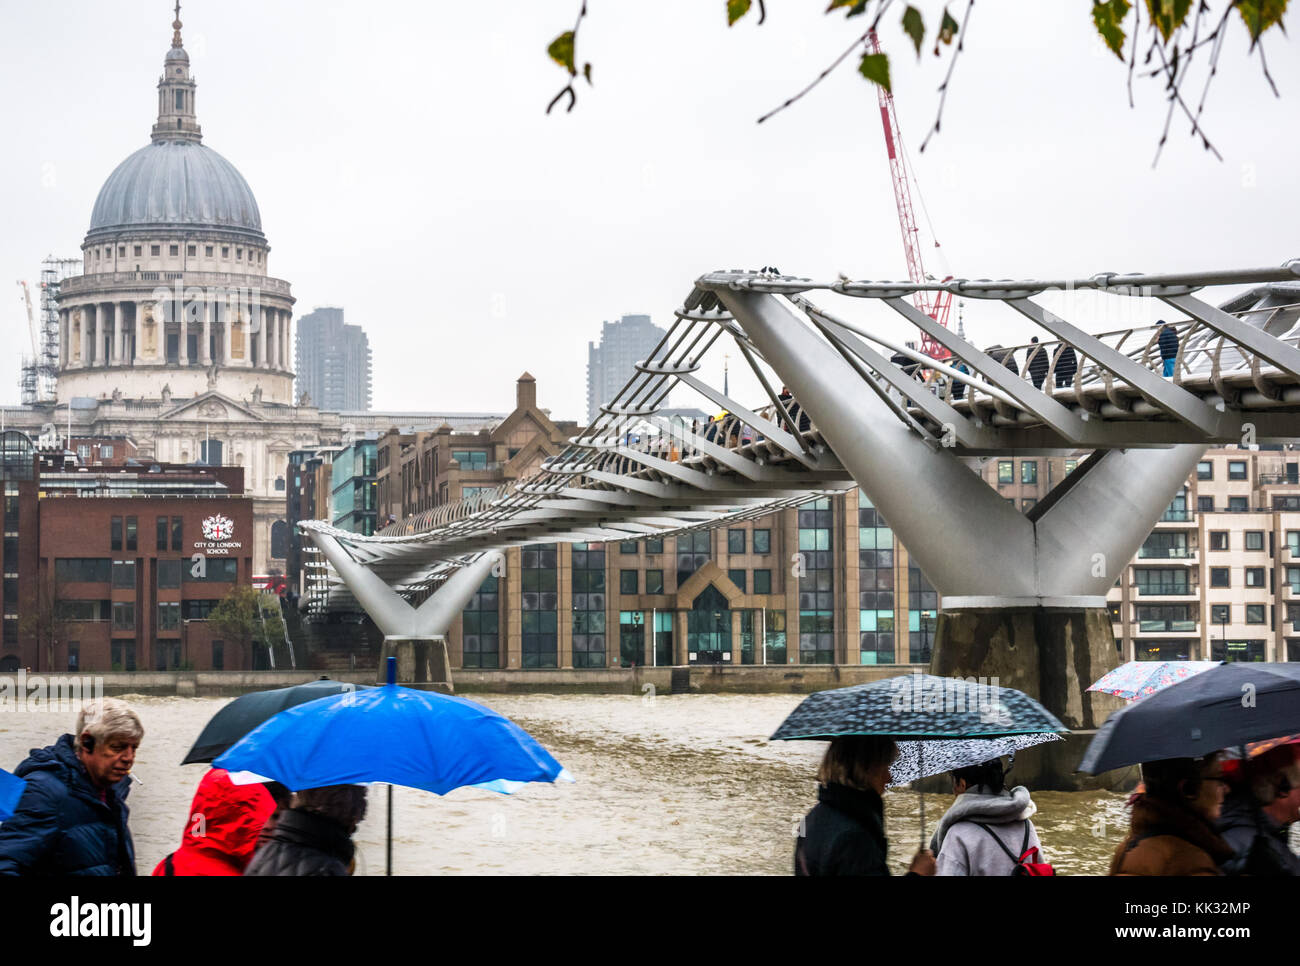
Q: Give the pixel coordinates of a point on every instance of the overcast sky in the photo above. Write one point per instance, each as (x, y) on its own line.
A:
(406, 171)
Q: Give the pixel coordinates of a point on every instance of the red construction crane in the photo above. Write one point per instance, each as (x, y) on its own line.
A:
(933, 304)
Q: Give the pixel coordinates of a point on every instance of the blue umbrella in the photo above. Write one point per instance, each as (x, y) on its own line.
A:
(400, 736)
(11, 790)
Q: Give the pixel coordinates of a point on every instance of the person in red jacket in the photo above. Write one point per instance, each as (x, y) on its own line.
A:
(222, 829)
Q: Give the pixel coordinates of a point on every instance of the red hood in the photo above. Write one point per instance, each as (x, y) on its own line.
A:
(222, 827)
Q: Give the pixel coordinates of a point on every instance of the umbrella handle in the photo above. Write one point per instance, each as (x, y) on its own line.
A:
(920, 764)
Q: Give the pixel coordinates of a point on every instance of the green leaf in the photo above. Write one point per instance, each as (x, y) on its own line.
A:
(737, 9)
(1168, 15)
(914, 27)
(561, 51)
(855, 7)
(875, 68)
(1259, 15)
(1109, 20)
(947, 30)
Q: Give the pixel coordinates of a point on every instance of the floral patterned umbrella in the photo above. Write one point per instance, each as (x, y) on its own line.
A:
(1137, 679)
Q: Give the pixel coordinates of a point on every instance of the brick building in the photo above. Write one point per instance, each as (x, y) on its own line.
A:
(106, 574)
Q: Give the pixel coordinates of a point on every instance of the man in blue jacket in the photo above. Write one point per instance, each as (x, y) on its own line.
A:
(72, 818)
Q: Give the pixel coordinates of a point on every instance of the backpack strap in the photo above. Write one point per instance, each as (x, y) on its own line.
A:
(168, 867)
(1002, 845)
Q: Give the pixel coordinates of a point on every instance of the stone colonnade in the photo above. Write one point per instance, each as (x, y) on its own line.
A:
(97, 333)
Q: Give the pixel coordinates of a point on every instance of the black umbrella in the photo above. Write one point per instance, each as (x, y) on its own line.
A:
(248, 711)
(1226, 706)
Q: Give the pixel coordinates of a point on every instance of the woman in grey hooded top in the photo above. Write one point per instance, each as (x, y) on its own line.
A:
(986, 824)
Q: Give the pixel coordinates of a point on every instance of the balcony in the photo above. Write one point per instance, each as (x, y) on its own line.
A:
(1164, 590)
(1167, 626)
(1167, 553)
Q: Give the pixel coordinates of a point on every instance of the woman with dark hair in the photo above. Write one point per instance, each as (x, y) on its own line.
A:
(1172, 824)
(314, 837)
(988, 827)
(845, 833)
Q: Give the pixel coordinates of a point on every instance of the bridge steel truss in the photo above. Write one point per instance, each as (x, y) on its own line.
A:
(900, 430)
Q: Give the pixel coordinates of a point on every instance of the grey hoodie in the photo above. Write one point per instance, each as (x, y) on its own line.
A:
(963, 848)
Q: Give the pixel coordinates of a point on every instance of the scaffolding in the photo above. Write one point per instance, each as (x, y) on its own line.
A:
(40, 373)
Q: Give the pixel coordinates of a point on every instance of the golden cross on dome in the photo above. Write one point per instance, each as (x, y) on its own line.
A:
(176, 26)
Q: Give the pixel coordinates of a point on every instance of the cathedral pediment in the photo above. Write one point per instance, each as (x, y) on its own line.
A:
(212, 406)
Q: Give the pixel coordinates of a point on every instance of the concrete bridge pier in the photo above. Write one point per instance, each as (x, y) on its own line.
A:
(416, 636)
(1022, 595)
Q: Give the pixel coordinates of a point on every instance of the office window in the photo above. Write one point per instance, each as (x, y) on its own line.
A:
(588, 569)
(1220, 613)
(471, 459)
(1219, 577)
(1255, 614)
(1236, 469)
(762, 541)
(1218, 539)
(207, 251)
(1070, 466)
(161, 535)
(480, 636)
(627, 581)
(735, 541)
(1254, 539)
(762, 581)
(177, 533)
(1029, 471)
(654, 581)
(218, 655)
(1205, 504)
(737, 577)
(216, 570)
(106, 451)
(1006, 471)
(225, 251)
(1238, 504)
(124, 573)
(693, 551)
(1293, 543)
(1255, 577)
(538, 612)
(138, 250)
(654, 545)
(1205, 470)
(169, 574)
(198, 610)
(123, 615)
(191, 249)
(94, 570)
(122, 655)
(132, 528)
(115, 533)
(169, 615)
(155, 249)
(173, 249)
(1028, 503)
(627, 546)
(1153, 581)
(816, 597)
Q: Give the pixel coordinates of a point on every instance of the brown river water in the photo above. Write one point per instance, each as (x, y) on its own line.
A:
(666, 785)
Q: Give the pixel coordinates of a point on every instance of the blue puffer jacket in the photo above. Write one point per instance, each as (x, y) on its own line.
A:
(61, 826)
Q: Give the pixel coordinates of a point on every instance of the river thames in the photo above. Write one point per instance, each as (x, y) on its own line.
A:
(666, 785)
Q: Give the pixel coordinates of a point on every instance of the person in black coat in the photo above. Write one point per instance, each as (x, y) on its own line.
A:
(1038, 363)
(1262, 804)
(314, 837)
(72, 817)
(1168, 342)
(1067, 364)
(845, 833)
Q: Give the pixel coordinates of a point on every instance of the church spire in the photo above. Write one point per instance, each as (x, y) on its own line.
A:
(176, 119)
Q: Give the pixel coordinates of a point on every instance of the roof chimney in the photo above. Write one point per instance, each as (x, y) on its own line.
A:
(526, 392)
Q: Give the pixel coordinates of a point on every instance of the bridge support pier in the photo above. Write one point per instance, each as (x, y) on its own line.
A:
(1022, 595)
(416, 636)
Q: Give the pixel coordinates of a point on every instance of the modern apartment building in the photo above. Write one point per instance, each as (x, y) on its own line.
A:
(611, 364)
(1219, 576)
(332, 360)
